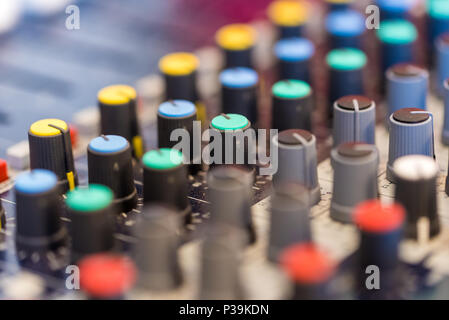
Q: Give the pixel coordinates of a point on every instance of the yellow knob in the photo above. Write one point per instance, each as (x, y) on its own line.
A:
(44, 127)
(236, 37)
(178, 64)
(117, 94)
(287, 13)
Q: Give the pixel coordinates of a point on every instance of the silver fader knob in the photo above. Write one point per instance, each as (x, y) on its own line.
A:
(297, 161)
(289, 219)
(415, 177)
(355, 178)
(354, 120)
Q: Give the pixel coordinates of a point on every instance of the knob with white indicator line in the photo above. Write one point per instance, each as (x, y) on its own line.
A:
(297, 161)
(354, 120)
(411, 132)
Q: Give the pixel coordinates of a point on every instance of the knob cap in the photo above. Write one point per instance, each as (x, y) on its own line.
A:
(355, 178)
(354, 120)
(289, 219)
(110, 164)
(411, 132)
(294, 58)
(39, 226)
(346, 74)
(237, 42)
(118, 110)
(106, 276)
(380, 228)
(292, 105)
(156, 254)
(92, 214)
(345, 28)
(406, 87)
(239, 92)
(395, 9)
(220, 263)
(230, 128)
(416, 190)
(165, 179)
(51, 149)
(289, 17)
(297, 161)
(397, 39)
(310, 270)
(230, 194)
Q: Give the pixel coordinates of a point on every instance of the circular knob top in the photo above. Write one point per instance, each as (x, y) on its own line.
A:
(236, 37)
(348, 102)
(374, 216)
(355, 149)
(346, 59)
(106, 275)
(230, 121)
(108, 144)
(407, 70)
(291, 89)
(36, 181)
(396, 5)
(117, 94)
(305, 263)
(48, 127)
(239, 77)
(294, 49)
(163, 158)
(290, 136)
(397, 32)
(178, 63)
(410, 115)
(345, 23)
(415, 167)
(177, 108)
(94, 197)
(438, 9)
(287, 13)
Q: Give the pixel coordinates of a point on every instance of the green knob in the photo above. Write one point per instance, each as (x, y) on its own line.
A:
(94, 197)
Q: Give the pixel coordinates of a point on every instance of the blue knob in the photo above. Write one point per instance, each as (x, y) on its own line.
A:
(442, 61)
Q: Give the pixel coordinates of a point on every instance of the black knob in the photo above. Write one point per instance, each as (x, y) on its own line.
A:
(92, 214)
(51, 149)
(110, 164)
(415, 177)
(118, 110)
(165, 179)
(39, 226)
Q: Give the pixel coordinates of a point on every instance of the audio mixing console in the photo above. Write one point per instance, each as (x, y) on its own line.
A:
(94, 193)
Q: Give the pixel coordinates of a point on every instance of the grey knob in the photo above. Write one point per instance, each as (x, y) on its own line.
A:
(289, 219)
(415, 177)
(220, 262)
(297, 161)
(354, 120)
(230, 194)
(156, 248)
(411, 132)
(355, 178)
